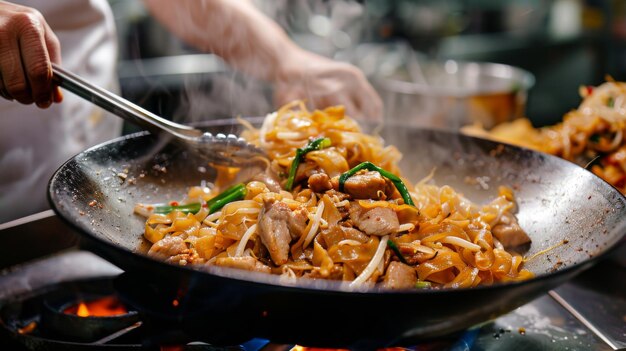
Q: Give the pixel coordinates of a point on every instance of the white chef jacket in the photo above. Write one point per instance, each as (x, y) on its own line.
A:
(35, 142)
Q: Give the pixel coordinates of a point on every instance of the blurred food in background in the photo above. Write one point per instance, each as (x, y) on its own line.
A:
(592, 135)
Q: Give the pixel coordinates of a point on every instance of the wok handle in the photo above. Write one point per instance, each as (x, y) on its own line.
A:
(118, 105)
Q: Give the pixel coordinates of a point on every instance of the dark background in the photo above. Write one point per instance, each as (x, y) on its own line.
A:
(563, 43)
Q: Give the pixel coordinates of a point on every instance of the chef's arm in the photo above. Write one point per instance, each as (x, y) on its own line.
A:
(27, 46)
(253, 43)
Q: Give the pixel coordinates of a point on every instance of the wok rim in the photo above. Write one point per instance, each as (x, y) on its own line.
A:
(321, 285)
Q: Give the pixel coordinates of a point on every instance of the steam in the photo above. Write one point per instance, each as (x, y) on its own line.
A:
(223, 95)
(321, 26)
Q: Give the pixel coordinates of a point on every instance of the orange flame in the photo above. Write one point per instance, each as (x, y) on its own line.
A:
(102, 307)
(172, 348)
(82, 311)
(29, 328)
(302, 348)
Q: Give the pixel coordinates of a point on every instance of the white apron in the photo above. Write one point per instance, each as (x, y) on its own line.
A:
(35, 142)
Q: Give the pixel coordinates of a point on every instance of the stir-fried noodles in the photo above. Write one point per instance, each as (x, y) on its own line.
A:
(332, 205)
(591, 135)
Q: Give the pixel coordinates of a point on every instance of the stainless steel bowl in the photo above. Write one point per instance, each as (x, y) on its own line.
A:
(450, 94)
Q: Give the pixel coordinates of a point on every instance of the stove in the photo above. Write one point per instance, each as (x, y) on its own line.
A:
(46, 276)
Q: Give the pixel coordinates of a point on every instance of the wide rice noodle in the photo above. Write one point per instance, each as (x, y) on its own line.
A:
(445, 238)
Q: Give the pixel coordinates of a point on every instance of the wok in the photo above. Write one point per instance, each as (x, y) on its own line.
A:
(561, 206)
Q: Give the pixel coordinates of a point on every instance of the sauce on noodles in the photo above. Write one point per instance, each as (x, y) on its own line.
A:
(368, 227)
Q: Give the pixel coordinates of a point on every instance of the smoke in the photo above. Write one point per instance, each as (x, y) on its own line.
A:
(223, 95)
(329, 28)
(324, 27)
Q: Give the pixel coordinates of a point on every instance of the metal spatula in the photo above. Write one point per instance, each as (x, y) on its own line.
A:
(227, 150)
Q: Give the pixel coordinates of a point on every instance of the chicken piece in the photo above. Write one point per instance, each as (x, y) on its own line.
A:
(270, 179)
(248, 263)
(167, 247)
(374, 221)
(399, 276)
(173, 249)
(274, 232)
(509, 232)
(367, 185)
(320, 182)
(297, 222)
(189, 256)
(334, 194)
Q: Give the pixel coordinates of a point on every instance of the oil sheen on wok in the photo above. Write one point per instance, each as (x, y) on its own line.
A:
(332, 204)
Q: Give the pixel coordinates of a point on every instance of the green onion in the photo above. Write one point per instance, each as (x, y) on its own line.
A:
(610, 102)
(234, 193)
(422, 284)
(396, 250)
(316, 144)
(188, 208)
(372, 167)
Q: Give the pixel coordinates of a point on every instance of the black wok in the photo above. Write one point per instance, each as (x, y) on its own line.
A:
(561, 205)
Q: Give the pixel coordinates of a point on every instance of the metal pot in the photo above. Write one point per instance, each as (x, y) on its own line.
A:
(451, 94)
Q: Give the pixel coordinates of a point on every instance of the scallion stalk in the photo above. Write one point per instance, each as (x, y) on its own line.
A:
(316, 144)
(423, 284)
(396, 250)
(187, 208)
(234, 193)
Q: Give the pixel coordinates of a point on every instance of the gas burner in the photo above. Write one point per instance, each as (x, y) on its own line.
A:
(87, 311)
(80, 315)
(44, 318)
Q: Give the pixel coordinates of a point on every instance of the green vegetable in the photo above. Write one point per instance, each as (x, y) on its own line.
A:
(396, 250)
(188, 208)
(610, 102)
(316, 144)
(372, 167)
(594, 138)
(234, 193)
(422, 284)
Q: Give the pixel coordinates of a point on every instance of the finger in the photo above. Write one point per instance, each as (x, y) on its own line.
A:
(343, 100)
(370, 106)
(285, 95)
(52, 44)
(15, 82)
(352, 110)
(36, 60)
(57, 94)
(54, 52)
(3, 92)
(367, 101)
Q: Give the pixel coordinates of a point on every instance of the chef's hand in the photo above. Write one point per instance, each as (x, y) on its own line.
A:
(27, 47)
(324, 82)
(253, 43)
